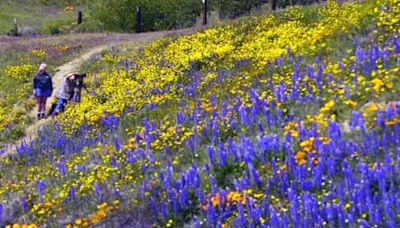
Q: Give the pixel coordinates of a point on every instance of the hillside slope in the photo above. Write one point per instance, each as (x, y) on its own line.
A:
(34, 18)
(283, 120)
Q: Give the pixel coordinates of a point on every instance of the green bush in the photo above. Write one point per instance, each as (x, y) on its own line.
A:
(56, 26)
(235, 8)
(120, 15)
(90, 25)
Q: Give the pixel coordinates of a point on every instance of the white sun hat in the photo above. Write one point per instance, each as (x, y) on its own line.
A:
(42, 67)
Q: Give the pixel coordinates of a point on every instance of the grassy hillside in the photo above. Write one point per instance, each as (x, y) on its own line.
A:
(282, 120)
(35, 16)
(19, 59)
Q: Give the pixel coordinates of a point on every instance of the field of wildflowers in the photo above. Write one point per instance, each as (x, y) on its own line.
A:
(283, 120)
(19, 60)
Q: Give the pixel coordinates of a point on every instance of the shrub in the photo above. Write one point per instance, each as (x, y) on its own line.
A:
(120, 16)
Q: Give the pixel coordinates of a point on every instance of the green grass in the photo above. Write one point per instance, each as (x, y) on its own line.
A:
(44, 19)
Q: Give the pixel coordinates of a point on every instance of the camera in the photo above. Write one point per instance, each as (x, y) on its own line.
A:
(79, 80)
(80, 76)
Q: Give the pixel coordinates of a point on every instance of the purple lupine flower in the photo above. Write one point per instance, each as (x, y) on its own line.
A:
(380, 120)
(241, 216)
(211, 214)
(274, 219)
(153, 207)
(24, 206)
(115, 191)
(40, 187)
(242, 115)
(137, 138)
(72, 193)
(163, 209)
(389, 214)
(223, 110)
(113, 161)
(293, 204)
(294, 94)
(179, 118)
(210, 152)
(183, 197)
(360, 55)
(117, 144)
(233, 151)
(362, 223)
(213, 184)
(97, 189)
(215, 132)
(385, 57)
(260, 126)
(398, 205)
(213, 101)
(366, 69)
(288, 52)
(310, 71)
(265, 207)
(398, 158)
(307, 185)
(200, 196)
(255, 176)
(193, 177)
(329, 212)
(62, 168)
(244, 181)
(143, 167)
(1, 213)
(222, 154)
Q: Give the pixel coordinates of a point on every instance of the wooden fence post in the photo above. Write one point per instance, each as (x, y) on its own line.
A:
(80, 16)
(15, 30)
(205, 2)
(138, 19)
(273, 5)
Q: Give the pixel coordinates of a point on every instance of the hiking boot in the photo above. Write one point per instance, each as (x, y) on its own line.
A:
(39, 116)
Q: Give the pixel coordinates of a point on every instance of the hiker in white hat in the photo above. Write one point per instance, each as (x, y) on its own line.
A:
(42, 89)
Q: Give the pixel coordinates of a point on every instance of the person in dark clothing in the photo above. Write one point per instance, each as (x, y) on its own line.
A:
(42, 89)
(79, 85)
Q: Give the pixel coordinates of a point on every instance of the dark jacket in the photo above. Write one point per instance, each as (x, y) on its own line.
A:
(43, 81)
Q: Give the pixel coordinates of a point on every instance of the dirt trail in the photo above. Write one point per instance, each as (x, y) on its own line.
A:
(136, 39)
(61, 71)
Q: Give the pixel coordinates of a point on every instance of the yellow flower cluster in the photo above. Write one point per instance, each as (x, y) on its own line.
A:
(369, 112)
(68, 9)
(233, 198)
(22, 226)
(165, 62)
(291, 127)
(40, 53)
(389, 18)
(98, 216)
(20, 72)
(306, 148)
(45, 209)
(4, 118)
